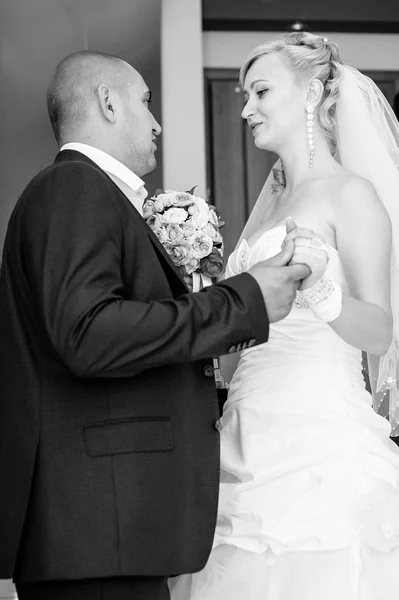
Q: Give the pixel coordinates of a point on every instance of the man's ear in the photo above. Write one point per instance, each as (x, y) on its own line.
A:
(107, 101)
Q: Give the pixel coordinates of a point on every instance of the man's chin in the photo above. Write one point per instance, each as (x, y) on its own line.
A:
(152, 165)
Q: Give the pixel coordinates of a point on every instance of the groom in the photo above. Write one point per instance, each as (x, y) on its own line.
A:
(109, 449)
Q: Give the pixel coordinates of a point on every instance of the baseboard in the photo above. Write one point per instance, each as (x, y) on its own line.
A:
(7, 590)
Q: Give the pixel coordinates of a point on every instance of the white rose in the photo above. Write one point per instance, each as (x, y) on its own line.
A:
(193, 209)
(213, 233)
(179, 253)
(158, 204)
(210, 230)
(201, 245)
(174, 215)
(161, 234)
(200, 202)
(154, 221)
(192, 265)
(188, 228)
(182, 199)
(166, 199)
(174, 233)
(200, 219)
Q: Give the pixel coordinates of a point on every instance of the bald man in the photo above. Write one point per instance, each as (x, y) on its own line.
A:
(109, 449)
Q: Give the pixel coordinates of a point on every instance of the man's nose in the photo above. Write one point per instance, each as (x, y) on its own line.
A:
(156, 128)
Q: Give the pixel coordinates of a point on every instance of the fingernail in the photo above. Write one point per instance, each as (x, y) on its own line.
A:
(288, 218)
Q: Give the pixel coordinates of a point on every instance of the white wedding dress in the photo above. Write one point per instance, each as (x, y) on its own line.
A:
(309, 493)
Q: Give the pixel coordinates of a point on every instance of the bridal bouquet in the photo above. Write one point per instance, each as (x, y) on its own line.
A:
(188, 227)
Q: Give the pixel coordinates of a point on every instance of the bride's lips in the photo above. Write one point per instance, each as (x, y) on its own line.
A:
(254, 127)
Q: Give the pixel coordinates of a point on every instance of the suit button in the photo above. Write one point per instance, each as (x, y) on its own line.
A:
(232, 349)
(218, 425)
(251, 343)
(208, 371)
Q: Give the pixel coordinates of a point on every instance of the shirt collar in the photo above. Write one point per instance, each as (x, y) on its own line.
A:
(107, 163)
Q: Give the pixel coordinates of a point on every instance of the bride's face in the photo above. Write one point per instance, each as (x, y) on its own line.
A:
(275, 103)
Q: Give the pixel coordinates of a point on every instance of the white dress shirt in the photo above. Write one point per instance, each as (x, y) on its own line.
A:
(131, 185)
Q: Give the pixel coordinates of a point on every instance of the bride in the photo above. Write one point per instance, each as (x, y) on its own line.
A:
(309, 492)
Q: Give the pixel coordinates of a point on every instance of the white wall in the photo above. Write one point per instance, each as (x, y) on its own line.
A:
(363, 51)
(182, 95)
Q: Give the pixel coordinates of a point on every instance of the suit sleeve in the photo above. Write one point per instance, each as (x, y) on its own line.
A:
(72, 244)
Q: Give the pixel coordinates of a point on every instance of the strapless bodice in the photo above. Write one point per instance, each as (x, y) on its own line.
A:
(301, 350)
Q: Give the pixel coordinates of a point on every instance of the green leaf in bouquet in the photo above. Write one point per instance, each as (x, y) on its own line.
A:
(212, 265)
(191, 191)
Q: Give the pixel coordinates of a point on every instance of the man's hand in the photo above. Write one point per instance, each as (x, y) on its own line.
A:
(279, 282)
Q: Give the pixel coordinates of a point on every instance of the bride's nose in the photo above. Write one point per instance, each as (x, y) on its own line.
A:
(248, 110)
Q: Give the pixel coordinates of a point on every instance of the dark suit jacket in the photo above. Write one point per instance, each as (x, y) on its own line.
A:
(109, 457)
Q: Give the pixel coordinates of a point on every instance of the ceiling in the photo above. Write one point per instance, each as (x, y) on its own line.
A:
(337, 15)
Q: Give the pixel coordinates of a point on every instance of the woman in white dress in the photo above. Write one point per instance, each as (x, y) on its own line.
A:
(309, 493)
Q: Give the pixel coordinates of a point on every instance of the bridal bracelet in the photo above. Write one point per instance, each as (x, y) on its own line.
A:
(324, 298)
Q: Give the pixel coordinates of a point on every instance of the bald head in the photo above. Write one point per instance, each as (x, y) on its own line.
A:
(102, 101)
(71, 93)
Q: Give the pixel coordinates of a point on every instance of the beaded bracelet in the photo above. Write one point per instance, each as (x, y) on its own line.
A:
(324, 298)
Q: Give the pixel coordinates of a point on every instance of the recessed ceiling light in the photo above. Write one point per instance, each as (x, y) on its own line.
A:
(297, 26)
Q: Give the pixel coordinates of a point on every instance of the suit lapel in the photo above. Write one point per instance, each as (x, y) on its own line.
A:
(163, 256)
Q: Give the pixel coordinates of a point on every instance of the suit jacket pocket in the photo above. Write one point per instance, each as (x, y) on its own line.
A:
(123, 436)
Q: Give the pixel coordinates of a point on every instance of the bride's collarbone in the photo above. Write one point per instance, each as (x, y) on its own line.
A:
(312, 206)
(307, 210)
(316, 222)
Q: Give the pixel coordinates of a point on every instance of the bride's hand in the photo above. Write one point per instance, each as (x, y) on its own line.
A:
(316, 258)
(310, 249)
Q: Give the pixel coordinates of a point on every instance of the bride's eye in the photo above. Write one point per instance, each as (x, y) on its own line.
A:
(261, 93)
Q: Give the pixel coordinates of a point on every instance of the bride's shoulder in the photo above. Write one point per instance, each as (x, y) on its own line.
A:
(345, 183)
(341, 184)
(354, 197)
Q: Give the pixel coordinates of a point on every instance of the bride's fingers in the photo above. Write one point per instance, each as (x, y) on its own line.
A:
(313, 254)
(311, 243)
(309, 256)
(302, 232)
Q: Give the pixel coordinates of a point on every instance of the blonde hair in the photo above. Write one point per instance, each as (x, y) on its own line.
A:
(309, 57)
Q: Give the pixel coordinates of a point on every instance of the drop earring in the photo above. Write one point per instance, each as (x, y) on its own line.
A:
(310, 111)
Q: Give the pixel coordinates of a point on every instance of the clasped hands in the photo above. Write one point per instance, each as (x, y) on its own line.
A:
(307, 248)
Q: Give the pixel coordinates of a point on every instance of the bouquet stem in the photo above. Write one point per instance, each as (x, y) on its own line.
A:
(200, 281)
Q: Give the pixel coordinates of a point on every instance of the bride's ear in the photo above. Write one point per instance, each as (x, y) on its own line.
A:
(314, 92)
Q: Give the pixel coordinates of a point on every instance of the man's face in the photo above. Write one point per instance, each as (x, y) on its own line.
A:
(139, 129)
